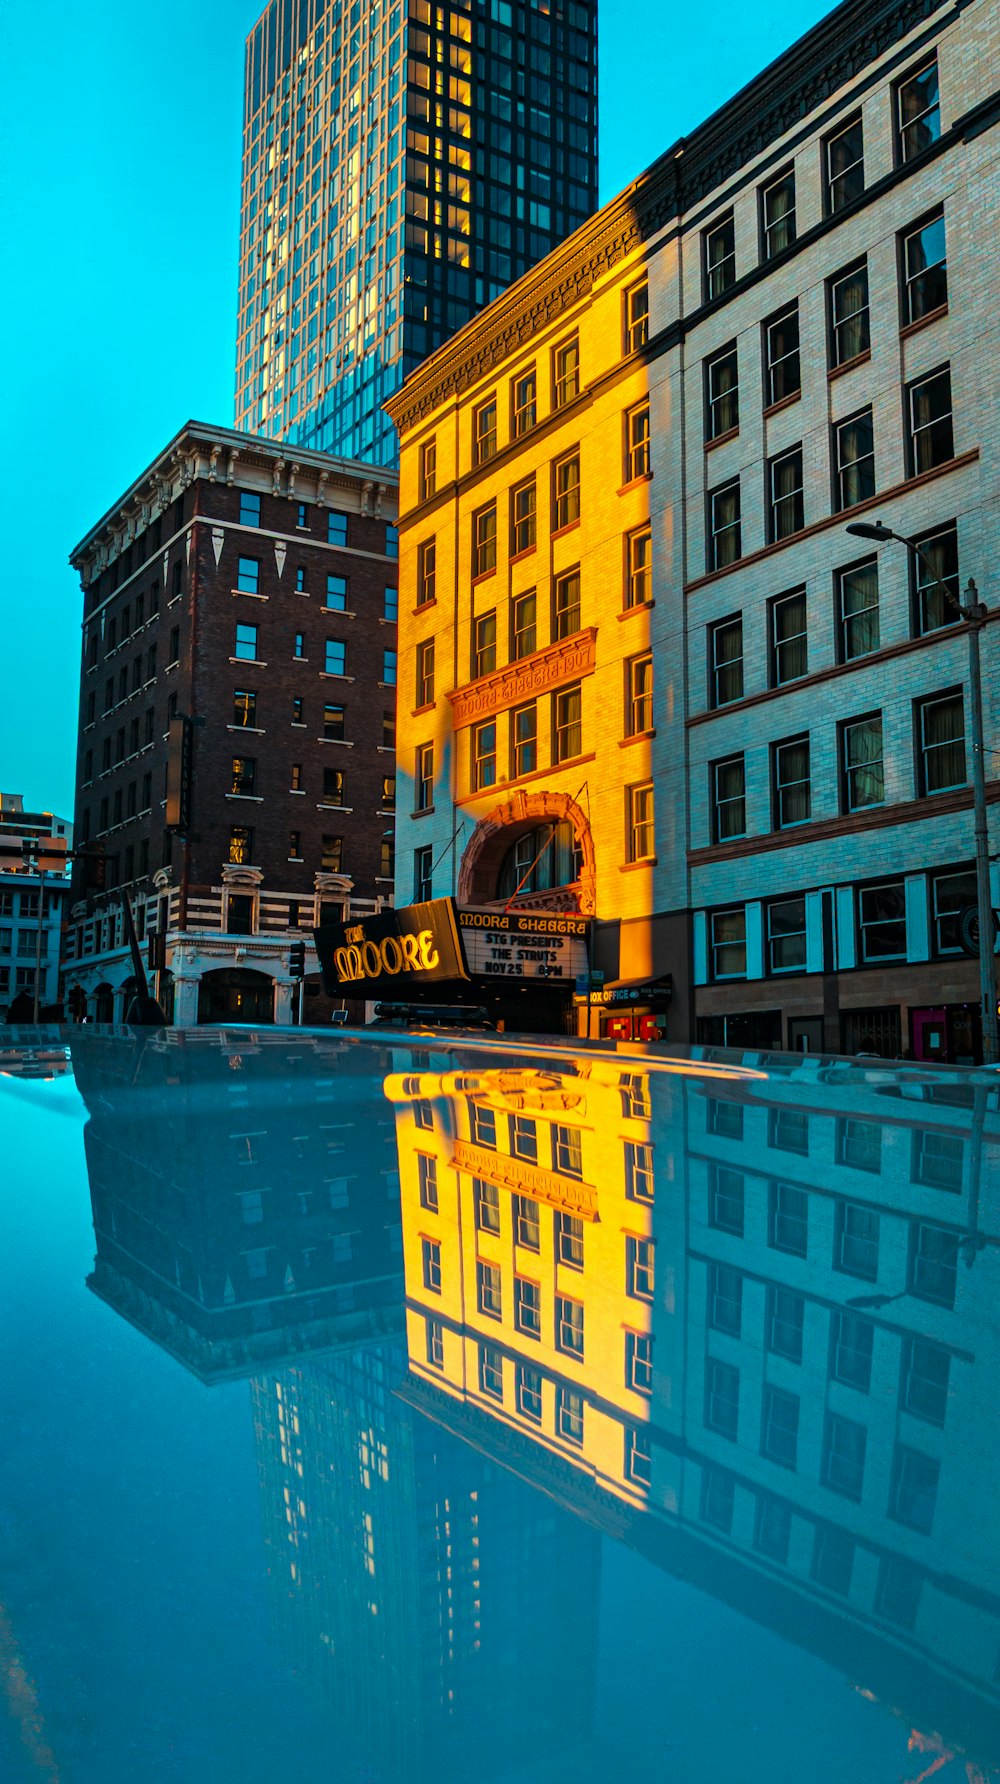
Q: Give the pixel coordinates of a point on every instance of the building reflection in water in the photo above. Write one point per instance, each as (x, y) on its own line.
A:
(747, 1323)
(246, 1206)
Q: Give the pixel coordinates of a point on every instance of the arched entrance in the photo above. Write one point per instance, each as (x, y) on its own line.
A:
(236, 994)
(542, 840)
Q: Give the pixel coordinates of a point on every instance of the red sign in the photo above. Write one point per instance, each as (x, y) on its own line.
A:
(632, 1028)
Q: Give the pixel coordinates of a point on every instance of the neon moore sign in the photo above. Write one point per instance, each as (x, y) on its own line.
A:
(365, 959)
(418, 944)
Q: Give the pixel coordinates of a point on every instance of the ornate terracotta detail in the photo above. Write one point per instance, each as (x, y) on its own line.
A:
(564, 661)
(494, 835)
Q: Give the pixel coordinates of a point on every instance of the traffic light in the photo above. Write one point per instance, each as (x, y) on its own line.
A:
(297, 960)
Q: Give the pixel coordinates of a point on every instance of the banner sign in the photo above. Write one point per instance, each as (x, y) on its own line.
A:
(525, 944)
(393, 952)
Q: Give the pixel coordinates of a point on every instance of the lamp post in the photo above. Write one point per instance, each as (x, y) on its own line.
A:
(973, 612)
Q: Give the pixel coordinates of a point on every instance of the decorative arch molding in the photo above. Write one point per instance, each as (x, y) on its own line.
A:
(495, 833)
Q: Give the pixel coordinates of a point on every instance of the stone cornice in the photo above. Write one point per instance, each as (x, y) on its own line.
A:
(526, 677)
(810, 73)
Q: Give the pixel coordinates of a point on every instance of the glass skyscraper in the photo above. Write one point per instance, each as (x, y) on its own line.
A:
(403, 162)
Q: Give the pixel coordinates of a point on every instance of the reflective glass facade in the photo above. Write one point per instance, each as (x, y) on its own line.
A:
(402, 164)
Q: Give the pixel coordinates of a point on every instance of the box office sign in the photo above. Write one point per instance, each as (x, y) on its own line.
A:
(394, 951)
(525, 944)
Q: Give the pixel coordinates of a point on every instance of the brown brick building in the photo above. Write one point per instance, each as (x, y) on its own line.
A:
(250, 590)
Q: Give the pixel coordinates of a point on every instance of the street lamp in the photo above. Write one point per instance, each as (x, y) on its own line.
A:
(973, 612)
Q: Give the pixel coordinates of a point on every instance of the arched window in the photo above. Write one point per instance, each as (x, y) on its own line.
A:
(540, 859)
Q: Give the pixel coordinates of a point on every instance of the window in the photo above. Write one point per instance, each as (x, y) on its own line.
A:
(523, 1138)
(299, 647)
(786, 935)
(569, 1240)
(882, 921)
(777, 208)
(851, 1346)
(523, 403)
(484, 540)
(430, 1251)
(782, 364)
(295, 845)
(913, 1493)
(482, 1125)
(334, 722)
(332, 854)
(725, 1299)
(728, 944)
(389, 668)
(637, 316)
(248, 575)
(933, 1264)
(565, 372)
(723, 1118)
(861, 763)
(639, 1268)
(523, 517)
(938, 1159)
(638, 1456)
(566, 508)
(637, 442)
(787, 1219)
(638, 567)
(336, 593)
(832, 1559)
(725, 650)
(487, 1200)
(844, 157)
(435, 1343)
(928, 407)
(779, 1434)
(790, 782)
(426, 572)
(724, 532)
(489, 1289)
(639, 1176)
(918, 111)
(941, 743)
(244, 708)
(924, 1380)
(249, 509)
(567, 604)
(725, 1199)
(718, 1497)
(428, 470)
(789, 644)
(484, 756)
(924, 259)
(427, 1174)
(719, 257)
(772, 1528)
(935, 576)
(784, 1318)
(524, 638)
(484, 651)
(859, 1144)
(844, 1456)
(857, 609)
(491, 1371)
(722, 393)
(298, 711)
(854, 460)
(246, 643)
(855, 1242)
(569, 1326)
(422, 874)
(567, 725)
(569, 1414)
(336, 528)
(425, 673)
(528, 1306)
(391, 540)
(722, 1398)
(951, 894)
(528, 1389)
(567, 1150)
(424, 778)
(335, 662)
(640, 842)
(639, 695)
(527, 1231)
(484, 431)
(333, 786)
(850, 333)
(300, 580)
(524, 741)
(639, 1362)
(244, 775)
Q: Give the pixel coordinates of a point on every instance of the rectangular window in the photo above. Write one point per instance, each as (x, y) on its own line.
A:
(295, 845)
(566, 506)
(718, 1498)
(569, 1326)
(854, 460)
(524, 628)
(246, 643)
(487, 1200)
(435, 1343)
(528, 1387)
(332, 853)
(722, 393)
(637, 442)
(847, 297)
(241, 845)
(719, 250)
(722, 1398)
(523, 403)
(426, 572)
(640, 843)
(788, 640)
(928, 409)
(484, 756)
(244, 708)
(569, 1240)
(567, 604)
(857, 609)
(935, 579)
(244, 775)
(782, 364)
(639, 1177)
(636, 316)
(424, 779)
(924, 1380)
(524, 740)
(527, 1307)
(484, 652)
(428, 470)
(787, 1219)
(855, 1240)
(784, 1320)
(832, 1559)
(844, 157)
(489, 1291)
(390, 605)
(779, 1435)
(484, 431)
(844, 1446)
(638, 567)
(336, 593)
(248, 575)
(336, 528)
(424, 694)
(427, 1176)
(567, 1150)
(569, 1414)
(859, 1144)
(951, 894)
(484, 540)
(918, 111)
(725, 1299)
(430, 1251)
(334, 722)
(565, 372)
(728, 943)
(639, 1362)
(723, 1118)
(724, 531)
(391, 540)
(941, 743)
(933, 1263)
(638, 1456)
(772, 1528)
(777, 214)
(913, 1490)
(861, 763)
(333, 786)
(527, 1229)
(790, 782)
(335, 660)
(249, 509)
(725, 651)
(924, 260)
(882, 922)
(389, 660)
(523, 517)
(491, 1371)
(567, 724)
(523, 1138)
(639, 695)
(786, 935)
(423, 862)
(299, 646)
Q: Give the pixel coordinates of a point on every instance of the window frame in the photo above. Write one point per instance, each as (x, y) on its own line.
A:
(908, 281)
(770, 225)
(839, 326)
(561, 378)
(731, 529)
(716, 401)
(640, 838)
(523, 402)
(716, 668)
(846, 728)
(484, 540)
(715, 945)
(718, 276)
(772, 363)
(638, 575)
(639, 695)
(917, 434)
(637, 442)
(635, 316)
(781, 787)
(831, 206)
(922, 708)
(483, 761)
(845, 620)
(901, 126)
(566, 501)
(843, 468)
(484, 440)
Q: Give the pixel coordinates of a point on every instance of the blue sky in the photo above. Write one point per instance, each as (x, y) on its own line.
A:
(120, 152)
